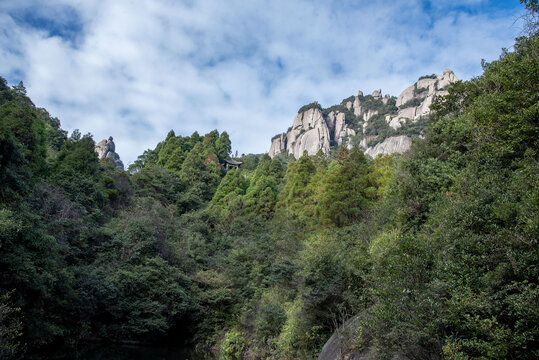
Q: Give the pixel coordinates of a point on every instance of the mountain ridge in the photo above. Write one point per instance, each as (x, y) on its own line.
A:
(378, 124)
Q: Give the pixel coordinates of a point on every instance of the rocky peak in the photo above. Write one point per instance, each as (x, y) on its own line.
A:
(309, 133)
(415, 101)
(106, 149)
(379, 124)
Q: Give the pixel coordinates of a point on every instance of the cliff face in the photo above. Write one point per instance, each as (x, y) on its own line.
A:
(105, 149)
(379, 124)
(310, 133)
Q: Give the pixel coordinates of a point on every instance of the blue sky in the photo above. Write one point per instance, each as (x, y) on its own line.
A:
(136, 69)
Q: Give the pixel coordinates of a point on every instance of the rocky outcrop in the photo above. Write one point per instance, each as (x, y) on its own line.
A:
(309, 133)
(352, 342)
(106, 149)
(317, 129)
(345, 343)
(393, 144)
(415, 101)
(336, 122)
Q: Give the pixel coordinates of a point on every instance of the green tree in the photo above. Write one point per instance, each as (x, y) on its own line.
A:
(346, 196)
(223, 146)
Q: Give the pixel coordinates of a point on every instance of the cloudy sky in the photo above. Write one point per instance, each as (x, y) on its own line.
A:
(136, 69)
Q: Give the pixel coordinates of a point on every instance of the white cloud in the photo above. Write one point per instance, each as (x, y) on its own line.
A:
(135, 70)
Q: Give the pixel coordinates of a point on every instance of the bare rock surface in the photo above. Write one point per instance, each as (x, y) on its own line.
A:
(393, 144)
(106, 149)
(314, 130)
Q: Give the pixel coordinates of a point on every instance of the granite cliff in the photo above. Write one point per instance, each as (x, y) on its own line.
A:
(379, 124)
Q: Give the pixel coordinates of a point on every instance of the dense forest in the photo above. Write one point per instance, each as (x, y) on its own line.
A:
(434, 251)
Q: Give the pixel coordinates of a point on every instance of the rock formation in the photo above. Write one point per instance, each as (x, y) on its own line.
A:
(105, 149)
(351, 342)
(379, 124)
(390, 145)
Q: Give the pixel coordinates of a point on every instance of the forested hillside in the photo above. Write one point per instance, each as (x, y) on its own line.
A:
(434, 251)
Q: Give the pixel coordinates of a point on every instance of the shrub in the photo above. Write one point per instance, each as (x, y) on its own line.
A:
(232, 345)
(431, 76)
(411, 103)
(313, 105)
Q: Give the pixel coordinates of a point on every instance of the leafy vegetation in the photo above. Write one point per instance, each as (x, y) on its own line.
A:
(436, 249)
(431, 76)
(313, 105)
(411, 103)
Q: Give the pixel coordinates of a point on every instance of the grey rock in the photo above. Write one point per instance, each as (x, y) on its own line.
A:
(405, 96)
(447, 78)
(278, 145)
(106, 149)
(342, 131)
(309, 133)
(369, 114)
(393, 144)
(349, 342)
(312, 130)
(426, 90)
(342, 344)
(331, 120)
(365, 141)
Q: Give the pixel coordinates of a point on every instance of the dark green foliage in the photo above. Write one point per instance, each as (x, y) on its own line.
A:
(227, 197)
(13, 174)
(262, 193)
(143, 290)
(10, 327)
(344, 196)
(55, 135)
(461, 249)
(419, 91)
(149, 157)
(349, 117)
(270, 320)
(379, 126)
(412, 128)
(6, 94)
(313, 105)
(435, 250)
(21, 124)
(31, 264)
(223, 146)
(158, 183)
(431, 76)
(200, 174)
(78, 156)
(411, 103)
(348, 99)
(250, 161)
